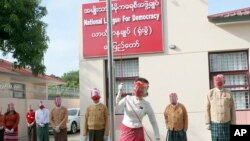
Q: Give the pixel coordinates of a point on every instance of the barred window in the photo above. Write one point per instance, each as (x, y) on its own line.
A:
(234, 66)
(233, 61)
(126, 71)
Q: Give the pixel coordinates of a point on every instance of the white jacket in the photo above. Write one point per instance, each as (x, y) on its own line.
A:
(141, 107)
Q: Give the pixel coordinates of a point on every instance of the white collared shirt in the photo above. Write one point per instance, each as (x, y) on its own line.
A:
(42, 116)
(141, 107)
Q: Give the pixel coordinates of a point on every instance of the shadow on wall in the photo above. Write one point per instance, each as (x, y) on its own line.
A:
(205, 1)
(176, 3)
(241, 31)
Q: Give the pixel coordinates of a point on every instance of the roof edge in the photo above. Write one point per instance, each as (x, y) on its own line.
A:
(242, 13)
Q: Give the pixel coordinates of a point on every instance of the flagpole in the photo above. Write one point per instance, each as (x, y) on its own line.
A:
(110, 69)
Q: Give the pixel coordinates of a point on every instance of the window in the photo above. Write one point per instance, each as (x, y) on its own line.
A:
(126, 71)
(18, 90)
(234, 66)
(72, 112)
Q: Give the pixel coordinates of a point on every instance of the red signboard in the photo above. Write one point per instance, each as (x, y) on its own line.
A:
(137, 27)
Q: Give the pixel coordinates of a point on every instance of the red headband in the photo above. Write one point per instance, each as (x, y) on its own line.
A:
(140, 84)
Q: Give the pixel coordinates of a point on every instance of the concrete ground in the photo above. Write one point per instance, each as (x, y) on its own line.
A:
(71, 137)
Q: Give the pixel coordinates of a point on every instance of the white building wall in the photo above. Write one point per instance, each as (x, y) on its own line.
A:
(91, 76)
(187, 26)
(183, 70)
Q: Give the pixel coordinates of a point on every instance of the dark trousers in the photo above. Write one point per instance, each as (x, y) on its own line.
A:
(43, 133)
(2, 135)
(176, 136)
(32, 132)
(96, 135)
(61, 136)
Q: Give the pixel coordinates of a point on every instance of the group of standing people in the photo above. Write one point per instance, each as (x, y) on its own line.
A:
(37, 121)
(219, 114)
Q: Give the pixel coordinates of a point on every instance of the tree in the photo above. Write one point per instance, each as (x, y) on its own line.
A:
(72, 79)
(23, 34)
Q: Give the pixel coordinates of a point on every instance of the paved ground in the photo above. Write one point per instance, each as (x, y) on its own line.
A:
(71, 137)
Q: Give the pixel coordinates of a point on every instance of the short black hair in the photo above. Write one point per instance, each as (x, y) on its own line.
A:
(144, 80)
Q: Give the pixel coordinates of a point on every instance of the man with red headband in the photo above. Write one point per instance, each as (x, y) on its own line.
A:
(1, 125)
(220, 111)
(96, 125)
(11, 121)
(42, 121)
(176, 118)
(135, 108)
(30, 119)
(58, 120)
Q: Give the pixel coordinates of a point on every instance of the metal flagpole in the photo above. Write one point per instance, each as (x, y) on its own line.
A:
(110, 69)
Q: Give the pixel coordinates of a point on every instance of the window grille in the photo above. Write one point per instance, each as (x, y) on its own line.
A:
(234, 66)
